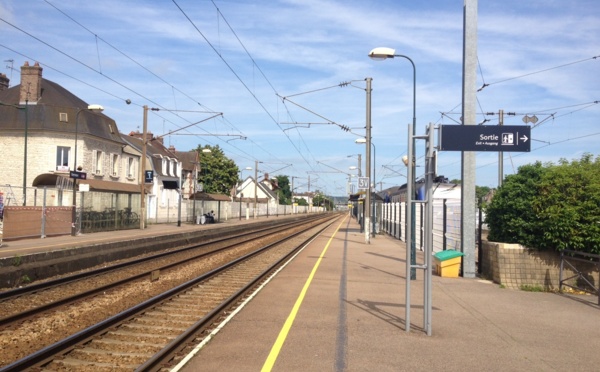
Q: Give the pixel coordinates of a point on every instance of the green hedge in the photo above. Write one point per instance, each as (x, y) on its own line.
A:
(550, 206)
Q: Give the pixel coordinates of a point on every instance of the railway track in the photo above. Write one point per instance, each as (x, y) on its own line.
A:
(145, 335)
(23, 303)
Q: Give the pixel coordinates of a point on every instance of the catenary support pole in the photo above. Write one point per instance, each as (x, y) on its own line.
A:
(469, 102)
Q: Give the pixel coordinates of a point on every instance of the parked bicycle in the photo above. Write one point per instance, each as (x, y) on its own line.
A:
(128, 218)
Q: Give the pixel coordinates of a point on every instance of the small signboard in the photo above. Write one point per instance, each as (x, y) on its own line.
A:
(148, 176)
(506, 138)
(78, 175)
(363, 183)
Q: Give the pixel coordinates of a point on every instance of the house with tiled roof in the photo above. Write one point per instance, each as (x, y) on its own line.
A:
(47, 131)
(173, 173)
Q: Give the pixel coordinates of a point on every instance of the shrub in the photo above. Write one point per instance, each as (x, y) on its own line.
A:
(550, 207)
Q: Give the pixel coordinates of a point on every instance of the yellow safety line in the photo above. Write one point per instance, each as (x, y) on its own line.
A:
(290, 320)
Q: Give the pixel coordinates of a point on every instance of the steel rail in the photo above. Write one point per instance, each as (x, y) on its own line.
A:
(47, 354)
(23, 315)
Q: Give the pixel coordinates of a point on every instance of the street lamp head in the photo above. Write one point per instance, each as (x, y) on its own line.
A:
(206, 151)
(405, 160)
(381, 53)
(360, 140)
(96, 108)
(248, 168)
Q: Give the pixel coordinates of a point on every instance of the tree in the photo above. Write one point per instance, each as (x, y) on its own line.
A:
(320, 200)
(481, 191)
(552, 207)
(568, 205)
(301, 201)
(284, 192)
(510, 216)
(218, 174)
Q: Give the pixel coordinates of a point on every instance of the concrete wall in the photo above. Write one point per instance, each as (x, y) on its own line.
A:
(514, 266)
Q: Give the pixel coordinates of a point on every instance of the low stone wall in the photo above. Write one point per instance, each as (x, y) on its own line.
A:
(515, 266)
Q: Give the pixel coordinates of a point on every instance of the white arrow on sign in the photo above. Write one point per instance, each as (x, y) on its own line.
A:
(524, 138)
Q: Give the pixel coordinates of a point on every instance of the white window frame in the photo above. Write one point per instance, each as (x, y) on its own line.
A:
(97, 162)
(165, 169)
(130, 166)
(114, 165)
(60, 150)
(173, 168)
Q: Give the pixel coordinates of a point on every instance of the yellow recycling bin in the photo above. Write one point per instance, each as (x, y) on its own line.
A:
(447, 263)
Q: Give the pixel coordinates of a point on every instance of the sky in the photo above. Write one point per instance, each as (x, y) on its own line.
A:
(281, 85)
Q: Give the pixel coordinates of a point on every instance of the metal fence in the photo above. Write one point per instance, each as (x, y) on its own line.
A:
(48, 211)
(446, 223)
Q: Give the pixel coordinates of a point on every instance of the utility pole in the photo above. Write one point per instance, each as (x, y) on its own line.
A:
(368, 165)
(469, 106)
(143, 168)
(501, 114)
(143, 172)
(255, 186)
(500, 153)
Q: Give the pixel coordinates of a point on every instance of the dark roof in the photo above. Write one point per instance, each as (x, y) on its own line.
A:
(187, 158)
(155, 149)
(209, 197)
(45, 115)
(52, 179)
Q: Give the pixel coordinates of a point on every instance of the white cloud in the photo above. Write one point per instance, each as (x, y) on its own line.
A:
(304, 45)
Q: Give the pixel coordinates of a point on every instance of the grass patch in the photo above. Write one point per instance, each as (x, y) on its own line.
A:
(17, 261)
(531, 288)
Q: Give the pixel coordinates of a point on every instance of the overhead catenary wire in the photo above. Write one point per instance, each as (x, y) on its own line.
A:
(108, 77)
(537, 72)
(173, 87)
(240, 80)
(284, 130)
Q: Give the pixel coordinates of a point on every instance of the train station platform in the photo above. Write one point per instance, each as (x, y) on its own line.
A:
(340, 306)
(28, 246)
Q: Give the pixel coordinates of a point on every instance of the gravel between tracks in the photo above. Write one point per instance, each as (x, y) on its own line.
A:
(31, 336)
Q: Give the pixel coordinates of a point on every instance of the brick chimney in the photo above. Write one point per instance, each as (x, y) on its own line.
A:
(140, 135)
(4, 82)
(31, 83)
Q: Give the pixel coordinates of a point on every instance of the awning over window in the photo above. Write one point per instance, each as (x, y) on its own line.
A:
(171, 185)
(50, 180)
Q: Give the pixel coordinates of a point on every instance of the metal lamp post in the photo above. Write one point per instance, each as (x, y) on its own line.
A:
(25, 154)
(95, 108)
(256, 187)
(381, 54)
(195, 187)
(204, 151)
(359, 163)
(374, 219)
(242, 194)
